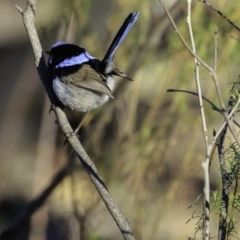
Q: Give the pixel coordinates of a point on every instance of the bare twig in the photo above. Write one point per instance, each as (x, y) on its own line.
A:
(196, 74)
(222, 226)
(214, 107)
(211, 71)
(28, 16)
(206, 163)
(233, 111)
(220, 13)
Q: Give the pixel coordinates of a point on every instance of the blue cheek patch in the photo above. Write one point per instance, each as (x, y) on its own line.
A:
(80, 59)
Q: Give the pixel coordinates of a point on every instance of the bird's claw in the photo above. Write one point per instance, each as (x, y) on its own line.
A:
(51, 108)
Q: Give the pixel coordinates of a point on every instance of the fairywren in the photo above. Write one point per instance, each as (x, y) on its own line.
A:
(79, 80)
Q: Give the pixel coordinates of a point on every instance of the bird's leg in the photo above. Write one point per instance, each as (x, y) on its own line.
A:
(80, 124)
(75, 132)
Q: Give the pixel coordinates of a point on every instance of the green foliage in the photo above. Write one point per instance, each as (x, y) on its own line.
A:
(233, 174)
(233, 166)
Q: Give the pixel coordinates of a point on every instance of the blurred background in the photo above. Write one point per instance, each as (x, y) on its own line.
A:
(147, 144)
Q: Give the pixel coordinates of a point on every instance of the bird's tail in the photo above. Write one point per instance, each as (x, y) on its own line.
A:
(122, 33)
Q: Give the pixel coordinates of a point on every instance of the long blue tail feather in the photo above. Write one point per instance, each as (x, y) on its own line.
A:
(122, 33)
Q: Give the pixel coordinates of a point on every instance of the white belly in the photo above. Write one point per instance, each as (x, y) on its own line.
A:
(80, 99)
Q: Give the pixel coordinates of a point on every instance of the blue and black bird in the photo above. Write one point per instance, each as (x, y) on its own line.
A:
(79, 80)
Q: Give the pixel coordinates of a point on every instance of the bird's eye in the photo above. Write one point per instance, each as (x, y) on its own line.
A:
(50, 60)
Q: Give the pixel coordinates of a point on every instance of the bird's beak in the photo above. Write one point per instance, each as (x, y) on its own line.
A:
(48, 52)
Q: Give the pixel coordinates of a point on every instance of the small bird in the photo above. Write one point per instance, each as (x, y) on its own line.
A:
(79, 80)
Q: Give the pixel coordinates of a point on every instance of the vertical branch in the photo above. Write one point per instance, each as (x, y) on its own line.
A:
(234, 174)
(205, 163)
(222, 226)
(196, 74)
(206, 190)
(226, 177)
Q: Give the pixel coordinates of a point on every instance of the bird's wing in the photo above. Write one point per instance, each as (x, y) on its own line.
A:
(87, 77)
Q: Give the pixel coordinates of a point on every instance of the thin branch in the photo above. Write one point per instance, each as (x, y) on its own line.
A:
(234, 209)
(226, 179)
(222, 226)
(233, 111)
(196, 74)
(215, 49)
(206, 163)
(212, 73)
(28, 16)
(182, 39)
(214, 107)
(96, 179)
(220, 13)
(206, 190)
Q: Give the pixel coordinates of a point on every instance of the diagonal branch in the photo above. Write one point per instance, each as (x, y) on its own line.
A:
(28, 16)
(220, 13)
